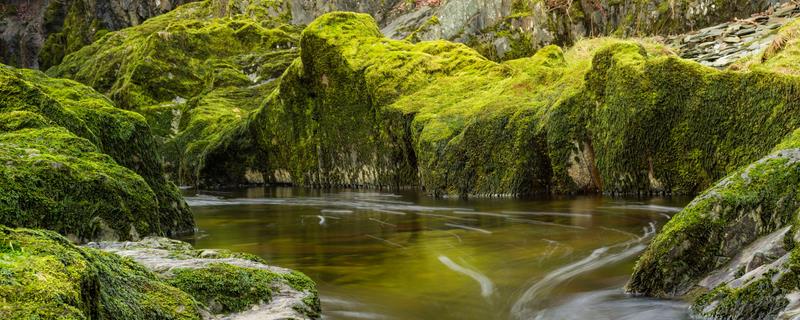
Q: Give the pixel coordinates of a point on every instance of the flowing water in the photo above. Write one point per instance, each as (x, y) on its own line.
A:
(407, 256)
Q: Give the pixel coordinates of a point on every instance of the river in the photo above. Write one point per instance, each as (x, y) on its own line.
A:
(377, 255)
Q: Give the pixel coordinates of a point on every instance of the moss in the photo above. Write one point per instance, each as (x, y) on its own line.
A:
(46, 277)
(225, 288)
(759, 299)
(749, 203)
(195, 79)
(76, 164)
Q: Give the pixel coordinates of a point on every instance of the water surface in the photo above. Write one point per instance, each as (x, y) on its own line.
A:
(407, 256)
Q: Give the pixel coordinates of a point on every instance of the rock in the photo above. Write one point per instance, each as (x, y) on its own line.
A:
(46, 277)
(232, 285)
(759, 280)
(195, 111)
(731, 39)
(40, 33)
(89, 170)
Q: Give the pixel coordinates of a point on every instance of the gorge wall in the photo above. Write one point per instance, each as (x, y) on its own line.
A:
(38, 34)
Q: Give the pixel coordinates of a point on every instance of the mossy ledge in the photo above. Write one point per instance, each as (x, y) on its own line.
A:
(74, 163)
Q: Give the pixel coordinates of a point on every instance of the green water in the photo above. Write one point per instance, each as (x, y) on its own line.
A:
(407, 256)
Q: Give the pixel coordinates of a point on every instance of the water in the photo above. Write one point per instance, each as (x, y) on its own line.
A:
(406, 256)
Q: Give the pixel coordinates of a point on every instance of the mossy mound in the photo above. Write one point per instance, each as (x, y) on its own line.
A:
(195, 73)
(46, 277)
(75, 164)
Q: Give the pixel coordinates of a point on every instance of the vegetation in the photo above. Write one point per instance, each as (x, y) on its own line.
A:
(195, 79)
(75, 164)
(46, 277)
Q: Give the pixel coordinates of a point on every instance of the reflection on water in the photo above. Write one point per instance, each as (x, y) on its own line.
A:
(406, 256)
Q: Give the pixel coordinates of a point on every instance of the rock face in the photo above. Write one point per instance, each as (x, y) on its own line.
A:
(47, 277)
(195, 74)
(359, 109)
(505, 29)
(74, 163)
(39, 33)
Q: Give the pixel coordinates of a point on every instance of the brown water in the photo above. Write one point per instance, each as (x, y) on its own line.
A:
(407, 256)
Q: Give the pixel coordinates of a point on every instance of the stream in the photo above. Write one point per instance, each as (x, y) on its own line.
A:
(404, 255)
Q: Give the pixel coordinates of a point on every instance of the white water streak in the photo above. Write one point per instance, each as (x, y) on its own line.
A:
(385, 241)
(553, 214)
(552, 224)
(383, 222)
(445, 216)
(468, 228)
(598, 258)
(478, 213)
(487, 286)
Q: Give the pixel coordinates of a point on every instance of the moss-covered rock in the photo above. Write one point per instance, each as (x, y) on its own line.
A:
(46, 277)
(75, 164)
(740, 223)
(195, 74)
(224, 282)
(606, 115)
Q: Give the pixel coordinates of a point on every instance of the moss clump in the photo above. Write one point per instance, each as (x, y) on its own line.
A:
(75, 164)
(195, 74)
(759, 299)
(225, 288)
(46, 277)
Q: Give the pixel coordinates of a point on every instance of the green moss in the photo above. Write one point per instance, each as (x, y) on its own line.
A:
(220, 66)
(76, 164)
(759, 299)
(225, 288)
(46, 277)
(749, 203)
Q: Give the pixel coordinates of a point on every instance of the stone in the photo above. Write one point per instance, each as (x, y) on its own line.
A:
(293, 295)
(731, 39)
